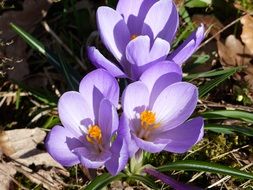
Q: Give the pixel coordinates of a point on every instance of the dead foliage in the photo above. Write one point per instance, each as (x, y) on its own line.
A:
(235, 52)
(20, 153)
(32, 13)
(210, 21)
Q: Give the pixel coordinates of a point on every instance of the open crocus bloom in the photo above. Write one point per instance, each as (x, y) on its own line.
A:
(147, 25)
(156, 109)
(90, 120)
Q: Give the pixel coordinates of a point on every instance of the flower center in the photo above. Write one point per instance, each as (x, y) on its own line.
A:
(148, 123)
(147, 118)
(133, 36)
(94, 134)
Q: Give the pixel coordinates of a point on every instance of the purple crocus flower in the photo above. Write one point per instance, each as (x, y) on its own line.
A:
(138, 34)
(89, 120)
(156, 109)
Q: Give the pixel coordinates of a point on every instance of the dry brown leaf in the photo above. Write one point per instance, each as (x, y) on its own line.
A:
(208, 20)
(31, 14)
(7, 172)
(20, 145)
(27, 18)
(225, 58)
(49, 179)
(247, 32)
(179, 3)
(249, 79)
(233, 52)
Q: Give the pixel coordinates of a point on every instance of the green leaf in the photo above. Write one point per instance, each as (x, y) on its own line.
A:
(44, 95)
(51, 121)
(72, 78)
(35, 44)
(17, 103)
(200, 59)
(72, 82)
(204, 89)
(211, 73)
(192, 165)
(103, 180)
(198, 3)
(144, 179)
(234, 114)
(227, 129)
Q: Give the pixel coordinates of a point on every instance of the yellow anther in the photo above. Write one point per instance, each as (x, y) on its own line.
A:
(147, 118)
(133, 36)
(148, 124)
(94, 134)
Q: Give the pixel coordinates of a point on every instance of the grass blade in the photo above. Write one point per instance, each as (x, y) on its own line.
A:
(211, 73)
(42, 95)
(233, 114)
(227, 129)
(72, 82)
(191, 165)
(144, 179)
(35, 44)
(198, 3)
(72, 76)
(103, 180)
(204, 89)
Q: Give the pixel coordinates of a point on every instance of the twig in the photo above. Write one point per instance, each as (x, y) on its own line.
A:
(220, 31)
(244, 185)
(11, 94)
(225, 105)
(50, 31)
(13, 179)
(86, 172)
(232, 151)
(192, 152)
(227, 177)
(196, 176)
(57, 92)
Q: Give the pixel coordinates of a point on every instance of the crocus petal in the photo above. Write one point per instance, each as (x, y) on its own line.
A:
(102, 81)
(188, 47)
(100, 61)
(75, 112)
(175, 104)
(149, 146)
(151, 75)
(135, 99)
(124, 131)
(134, 13)
(90, 158)
(141, 56)
(57, 146)
(113, 31)
(160, 49)
(183, 137)
(161, 21)
(108, 120)
(119, 156)
(159, 76)
(137, 50)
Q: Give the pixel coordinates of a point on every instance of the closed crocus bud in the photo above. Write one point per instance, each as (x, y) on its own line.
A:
(138, 34)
